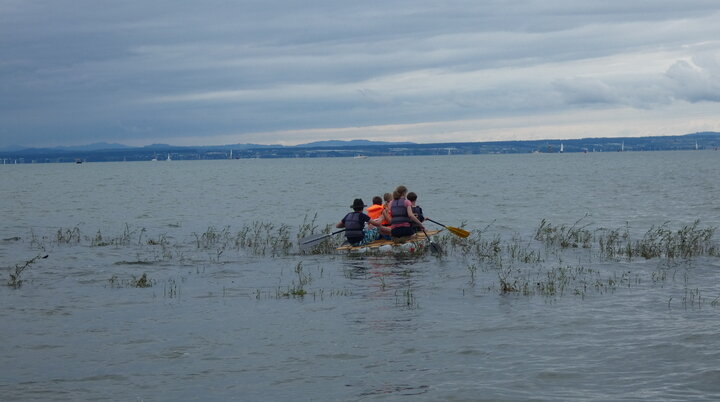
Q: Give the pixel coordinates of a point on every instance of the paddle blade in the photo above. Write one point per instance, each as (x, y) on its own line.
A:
(309, 242)
(458, 232)
(306, 243)
(434, 247)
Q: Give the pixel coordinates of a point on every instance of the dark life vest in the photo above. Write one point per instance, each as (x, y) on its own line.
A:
(399, 212)
(417, 211)
(354, 225)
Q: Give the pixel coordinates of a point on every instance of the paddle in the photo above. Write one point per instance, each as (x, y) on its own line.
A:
(456, 231)
(434, 247)
(309, 242)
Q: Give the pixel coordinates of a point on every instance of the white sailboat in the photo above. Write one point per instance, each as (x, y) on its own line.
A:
(168, 158)
(562, 149)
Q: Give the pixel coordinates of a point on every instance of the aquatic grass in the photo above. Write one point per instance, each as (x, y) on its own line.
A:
(262, 238)
(142, 282)
(123, 239)
(308, 227)
(406, 299)
(171, 289)
(661, 242)
(161, 240)
(68, 236)
(532, 266)
(613, 242)
(519, 251)
(293, 293)
(472, 269)
(328, 245)
(16, 280)
(297, 289)
(564, 236)
(554, 281)
(211, 237)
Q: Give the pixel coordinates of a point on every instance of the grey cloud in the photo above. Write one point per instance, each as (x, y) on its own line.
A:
(696, 82)
(76, 70)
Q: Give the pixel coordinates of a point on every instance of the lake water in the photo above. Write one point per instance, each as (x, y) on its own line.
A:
(222, 321)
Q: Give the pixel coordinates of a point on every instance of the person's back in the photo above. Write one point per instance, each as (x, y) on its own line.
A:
(354, 224)
(416, 209)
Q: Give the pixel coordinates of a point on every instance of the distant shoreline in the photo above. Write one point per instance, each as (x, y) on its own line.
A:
(697, 141)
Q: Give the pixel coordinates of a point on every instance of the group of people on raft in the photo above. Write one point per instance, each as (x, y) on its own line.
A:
(397, 217)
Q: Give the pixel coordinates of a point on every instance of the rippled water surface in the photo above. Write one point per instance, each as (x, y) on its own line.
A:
(220, 321)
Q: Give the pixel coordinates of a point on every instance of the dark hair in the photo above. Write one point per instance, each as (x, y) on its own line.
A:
(396, 195)
(388, 197)
(412, 196)
(358, 205)
(377, 200)
(401, 190)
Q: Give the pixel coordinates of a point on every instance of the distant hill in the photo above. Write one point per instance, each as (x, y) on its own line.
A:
(351, 143)
(104, 152)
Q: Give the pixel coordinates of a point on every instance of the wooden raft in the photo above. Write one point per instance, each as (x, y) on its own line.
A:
(417, 237)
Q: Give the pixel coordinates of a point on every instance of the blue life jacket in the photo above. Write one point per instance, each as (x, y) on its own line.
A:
(354, 226)
(399, 212)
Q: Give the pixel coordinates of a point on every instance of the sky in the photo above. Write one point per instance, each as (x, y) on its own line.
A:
(213, 72)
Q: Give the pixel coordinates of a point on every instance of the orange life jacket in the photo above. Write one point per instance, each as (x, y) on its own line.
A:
(374, 211)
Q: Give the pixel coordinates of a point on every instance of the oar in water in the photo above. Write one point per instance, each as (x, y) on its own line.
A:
(309, 242)
(434, 247)
(456, 231)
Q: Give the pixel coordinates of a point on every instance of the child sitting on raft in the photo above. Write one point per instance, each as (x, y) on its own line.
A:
(375, 211)
(416, 209)
(354, 223)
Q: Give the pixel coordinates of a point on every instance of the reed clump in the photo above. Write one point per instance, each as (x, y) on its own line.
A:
(68, 236)
(521, 266)
(658, 242)
(141, 282)
(121, 240)
(16, 280)
(262, 238)
(564, 236)
(297, 289)
(662, 242)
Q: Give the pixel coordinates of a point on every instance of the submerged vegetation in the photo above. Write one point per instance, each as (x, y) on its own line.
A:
(16, 280)
(538, 267)
(556, 260)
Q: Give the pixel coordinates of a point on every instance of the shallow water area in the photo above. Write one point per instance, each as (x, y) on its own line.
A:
(219, 318)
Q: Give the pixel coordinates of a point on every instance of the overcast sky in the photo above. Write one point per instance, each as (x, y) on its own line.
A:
(286, 72)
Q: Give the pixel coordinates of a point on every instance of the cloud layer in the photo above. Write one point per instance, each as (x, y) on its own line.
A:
(209, 72)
